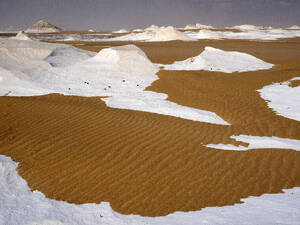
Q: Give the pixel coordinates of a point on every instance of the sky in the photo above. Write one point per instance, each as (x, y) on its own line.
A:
(129, 14)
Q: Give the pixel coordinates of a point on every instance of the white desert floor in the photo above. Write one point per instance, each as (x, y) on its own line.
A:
(121, 74)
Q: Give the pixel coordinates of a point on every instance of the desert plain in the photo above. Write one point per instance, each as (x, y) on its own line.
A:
(78, 150)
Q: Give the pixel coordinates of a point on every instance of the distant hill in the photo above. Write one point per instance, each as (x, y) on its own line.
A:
(43, 27)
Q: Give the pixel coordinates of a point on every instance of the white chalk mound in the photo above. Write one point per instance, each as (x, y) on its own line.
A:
(294, 27)
(121, 73)
(283, 99)
(155, 34)
(19, 205)
(202, 26)
(206, 34)
(190, 27)
(168, 34)
(250, 34)
(257, 142)
(22, 36)
(152, 28)
(197, 26)
(138, 30)
(212, 59)
(247, 27)
(43, 27)
(122, 31)
(51, 68)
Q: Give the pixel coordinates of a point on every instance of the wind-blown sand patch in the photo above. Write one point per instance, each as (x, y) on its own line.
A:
(78, 150)
(26, 207)
(294, 83)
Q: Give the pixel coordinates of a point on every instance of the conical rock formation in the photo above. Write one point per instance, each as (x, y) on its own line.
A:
(43, 27)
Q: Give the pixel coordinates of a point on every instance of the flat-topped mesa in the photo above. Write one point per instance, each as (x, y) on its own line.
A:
(43, 27)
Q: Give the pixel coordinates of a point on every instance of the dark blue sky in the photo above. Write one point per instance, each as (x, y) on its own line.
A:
(115, 14)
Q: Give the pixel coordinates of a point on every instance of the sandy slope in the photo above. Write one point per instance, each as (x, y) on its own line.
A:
(295, 83)
(76, 149)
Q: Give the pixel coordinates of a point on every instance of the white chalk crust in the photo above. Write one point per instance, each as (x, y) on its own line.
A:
(257, 142)
(283, 99)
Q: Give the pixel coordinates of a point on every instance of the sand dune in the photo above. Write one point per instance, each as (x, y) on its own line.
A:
(76, 149)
